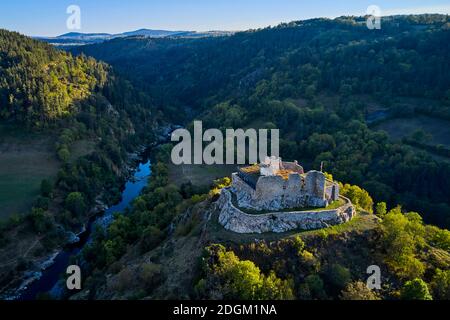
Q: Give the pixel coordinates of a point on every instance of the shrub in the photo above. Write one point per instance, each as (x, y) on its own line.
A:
(219, 184)
(338, 276)
(315, 286)
(151, 238)
(125, 279)
(42, 202)
(358, 291)
(440, 284)
(150, 275)
(380, 208)
(40, 220)
(64, 154)
(439, 238)
(415, 289)
(358, 196)
(403, 235)
(75, 203)
(197, 198)
(298, 244)
(46, 188)
(243, 279)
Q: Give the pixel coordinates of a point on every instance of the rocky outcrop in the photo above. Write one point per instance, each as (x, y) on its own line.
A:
(234, 219)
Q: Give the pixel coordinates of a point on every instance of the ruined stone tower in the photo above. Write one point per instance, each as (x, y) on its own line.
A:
(276, 185)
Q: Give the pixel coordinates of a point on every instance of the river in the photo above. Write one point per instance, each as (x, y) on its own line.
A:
(50, 279)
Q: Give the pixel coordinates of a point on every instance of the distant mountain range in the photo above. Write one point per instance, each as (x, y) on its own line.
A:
(77, 38)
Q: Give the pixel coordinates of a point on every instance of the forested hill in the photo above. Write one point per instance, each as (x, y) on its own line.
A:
(408, 56)
(39, 84)
(317, 81)
(67, 128)
(71, 100)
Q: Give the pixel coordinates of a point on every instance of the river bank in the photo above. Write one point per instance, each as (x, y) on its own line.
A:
(40, 267)
(32, 266)
(48, 277)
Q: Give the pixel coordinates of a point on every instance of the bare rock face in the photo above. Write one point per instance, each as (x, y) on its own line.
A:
(236, 220)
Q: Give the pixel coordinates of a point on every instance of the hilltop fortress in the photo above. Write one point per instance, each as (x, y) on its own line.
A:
(277, 185)
(281, 197)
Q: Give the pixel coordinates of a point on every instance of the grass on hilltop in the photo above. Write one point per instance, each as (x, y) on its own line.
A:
(25, 160)
(199, 175)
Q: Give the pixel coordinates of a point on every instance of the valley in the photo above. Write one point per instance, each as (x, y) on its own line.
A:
(74, 121)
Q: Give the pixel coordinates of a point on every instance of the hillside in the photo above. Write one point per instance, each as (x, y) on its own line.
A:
(322, 83)
(376, 59)
(40, 84)
(180, 251)
(67, 127)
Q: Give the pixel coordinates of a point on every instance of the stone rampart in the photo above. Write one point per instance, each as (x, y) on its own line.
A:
(276, 193)
(234, 219)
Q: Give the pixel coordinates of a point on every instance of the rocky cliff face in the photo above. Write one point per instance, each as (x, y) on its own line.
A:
(234, 219)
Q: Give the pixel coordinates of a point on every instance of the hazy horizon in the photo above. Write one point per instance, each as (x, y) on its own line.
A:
(47, 18)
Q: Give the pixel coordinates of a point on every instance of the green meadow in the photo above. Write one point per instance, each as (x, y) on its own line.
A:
(25, 160)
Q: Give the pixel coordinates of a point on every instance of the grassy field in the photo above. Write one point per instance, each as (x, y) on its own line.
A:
(25, 160)
(199, 175)
(404, 127)
(81, 148)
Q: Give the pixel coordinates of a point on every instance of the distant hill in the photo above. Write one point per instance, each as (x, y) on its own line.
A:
(78, 38)
(152, 33)
(84, 35)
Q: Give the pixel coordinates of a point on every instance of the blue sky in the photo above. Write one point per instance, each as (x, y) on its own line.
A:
(48, 17)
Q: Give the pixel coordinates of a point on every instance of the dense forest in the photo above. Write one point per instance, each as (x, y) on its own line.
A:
(48, 92)
(279, 77)
(40, 84)
(408, 56)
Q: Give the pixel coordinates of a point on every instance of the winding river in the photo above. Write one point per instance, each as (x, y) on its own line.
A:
(50, 279)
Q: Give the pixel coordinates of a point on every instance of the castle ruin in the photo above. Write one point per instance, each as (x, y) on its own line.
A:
(282, 197)
(276, 185)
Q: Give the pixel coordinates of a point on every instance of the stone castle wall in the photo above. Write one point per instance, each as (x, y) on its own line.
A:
(234, 219)
(332, 190)
(276, 193)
